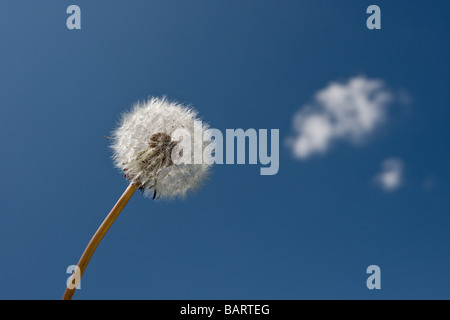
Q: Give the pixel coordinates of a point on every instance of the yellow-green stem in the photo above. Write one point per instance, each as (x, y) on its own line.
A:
(98, 236)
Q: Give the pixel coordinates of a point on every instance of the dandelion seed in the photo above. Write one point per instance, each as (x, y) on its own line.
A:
(142, 147)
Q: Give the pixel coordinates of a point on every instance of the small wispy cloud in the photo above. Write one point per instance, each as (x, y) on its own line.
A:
(348, 112)
(429, 183)
(391, 176)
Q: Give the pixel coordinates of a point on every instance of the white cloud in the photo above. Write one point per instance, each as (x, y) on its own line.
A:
(391, 176)
(340, 112)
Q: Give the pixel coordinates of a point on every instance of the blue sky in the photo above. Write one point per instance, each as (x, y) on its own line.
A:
(308, 232)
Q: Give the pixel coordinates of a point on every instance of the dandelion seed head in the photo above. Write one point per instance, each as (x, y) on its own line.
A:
(143, 144)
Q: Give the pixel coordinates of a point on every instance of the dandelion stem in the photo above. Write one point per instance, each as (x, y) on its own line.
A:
(98, 236)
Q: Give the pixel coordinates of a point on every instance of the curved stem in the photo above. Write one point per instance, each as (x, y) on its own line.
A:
(98, 236)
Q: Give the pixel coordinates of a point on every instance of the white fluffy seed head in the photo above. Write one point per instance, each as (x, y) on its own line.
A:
(142, 148)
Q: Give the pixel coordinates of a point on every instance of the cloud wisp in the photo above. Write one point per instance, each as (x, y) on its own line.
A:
(391, 176)
(341, 112)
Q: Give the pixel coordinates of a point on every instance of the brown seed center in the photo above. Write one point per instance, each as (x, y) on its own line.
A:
(162, 146)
